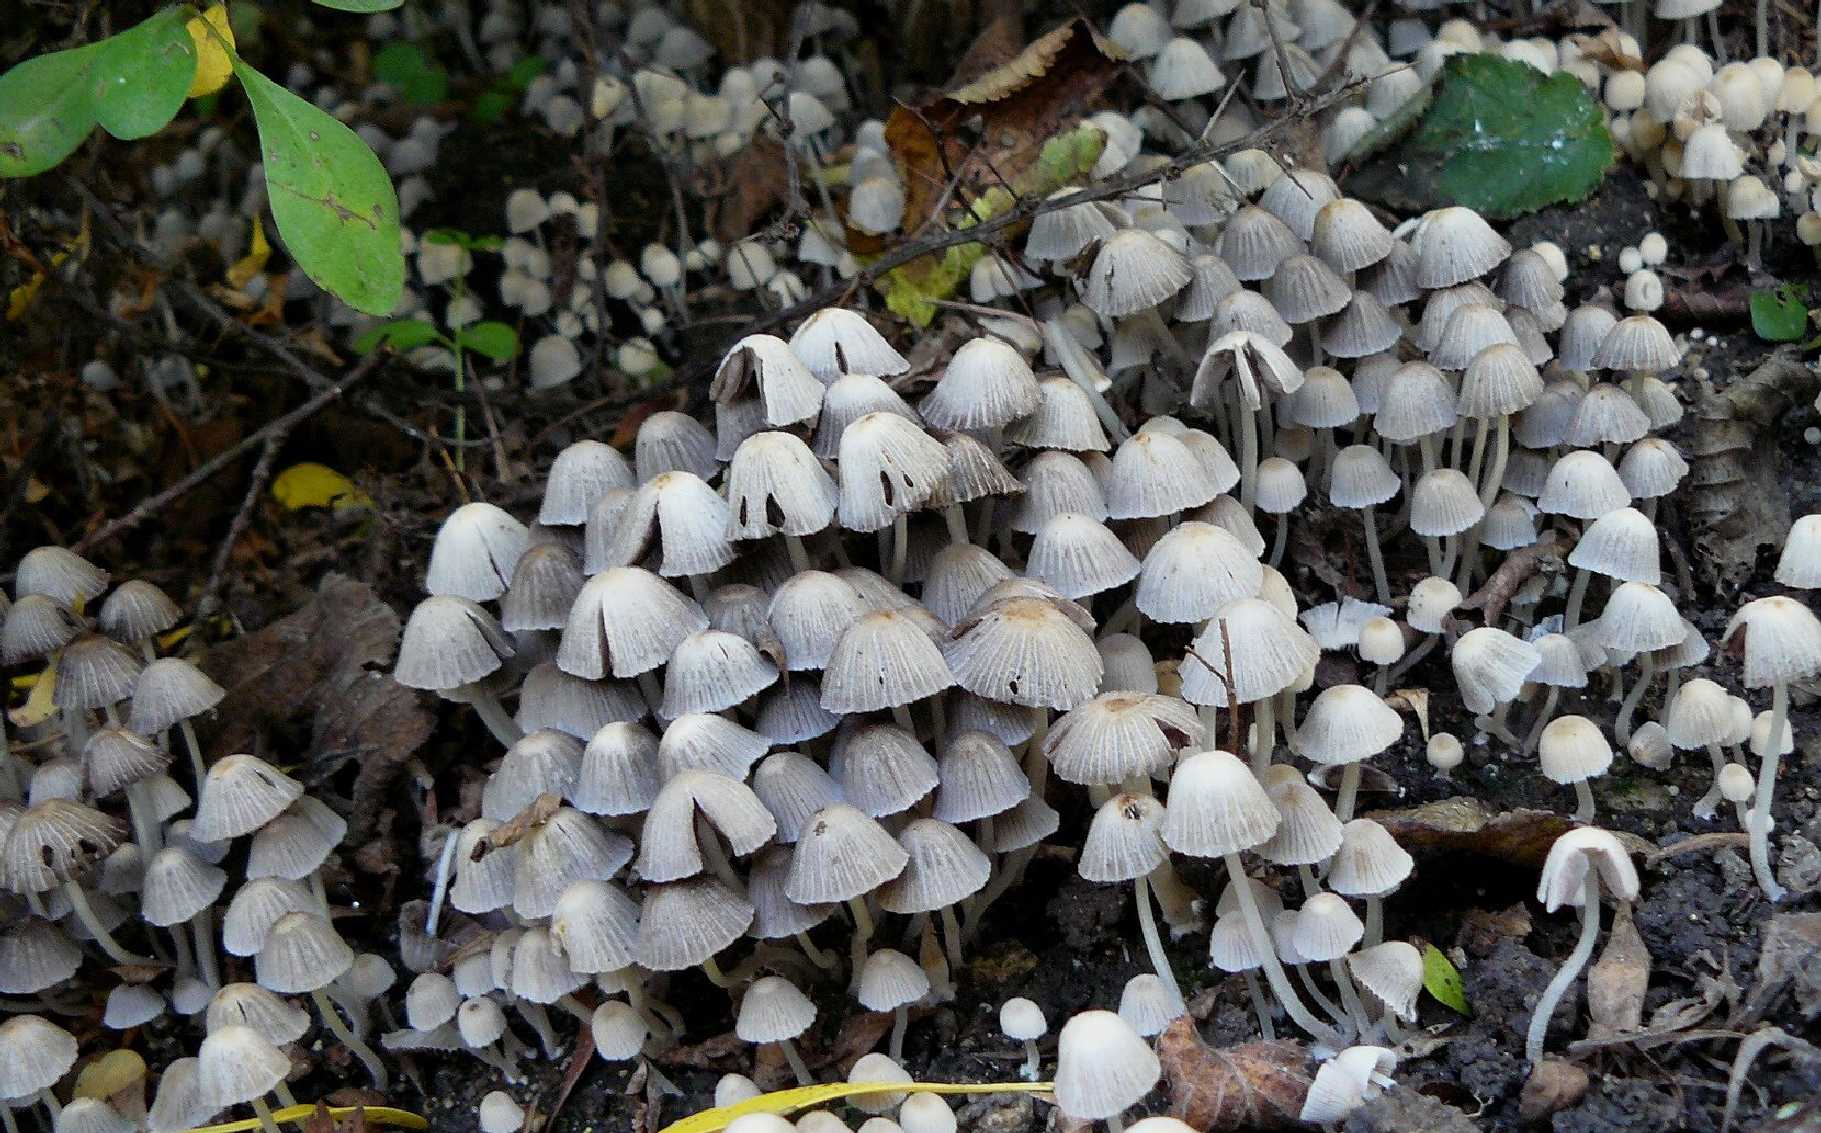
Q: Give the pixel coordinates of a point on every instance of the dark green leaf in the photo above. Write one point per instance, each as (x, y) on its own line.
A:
(419, 78)
(142, 75)
(495, 340)
(1442, 980)
(360, 5)
(47, 106)
(335, 206)
(448, 236)
(403, 334)
(526, 69)
(1780, 315)
(486, 243)
(1499, 137)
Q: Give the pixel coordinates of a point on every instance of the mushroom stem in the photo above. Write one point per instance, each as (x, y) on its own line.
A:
(285, 1097)
(1264, 733)
(146, 830)
(1349, 995)
(1036, 764)
(1281, 539)
(1274, 971)
(1311, 883)
(1583, 950)
(1709, 802)
(901, 716)
(799, 555)
(951, 938)
(1115, 1124)
(486, 705)
(1767, 786)
(347, 1038)
(1543, 716)
(264, 1113)
(1160, 960)
(1031, 1061)
(76, 732)
(1571, 614)
(797, 1065)
(51, 1105)
(1375, 922)
(957, 523)
(11, 1126)
(439, 892)
(1501, 456)
(1647, 670)
(863, 933)
(900, 1023)
(821, 958)
(900, 546)
(1349, 791)
(85, 913)
(202, 926)
(1261, 1007)
(1376, 556)
(1583, 797)
(1248, 457)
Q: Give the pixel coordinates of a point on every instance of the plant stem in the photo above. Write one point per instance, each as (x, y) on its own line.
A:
(1583, 950)
(1160, 960)
(1767, 786)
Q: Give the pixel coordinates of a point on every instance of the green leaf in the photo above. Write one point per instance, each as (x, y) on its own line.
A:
(1780, 315)
(333, 202)
(520, 74)
(419, 78)
(363, 6)
(1443, 981)
(1499, 137)
(400, 334)
(142, 75)
(495, 340)
(47, 106)
(489, 107)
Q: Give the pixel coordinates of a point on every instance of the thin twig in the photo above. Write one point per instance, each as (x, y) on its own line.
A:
(151, 505)
(256, 484)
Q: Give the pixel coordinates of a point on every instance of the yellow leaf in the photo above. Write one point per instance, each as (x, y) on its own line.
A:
(108, 1075)
(251, 264)
(784, 1102)
(317, 485)
(214, 39)
(40, 706)
(19, 300)
(374, 1114)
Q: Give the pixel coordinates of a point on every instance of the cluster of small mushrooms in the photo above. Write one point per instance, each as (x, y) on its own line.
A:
(779, 691)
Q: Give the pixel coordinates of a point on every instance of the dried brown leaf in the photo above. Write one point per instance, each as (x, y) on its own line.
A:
(1251, 1086)
(1738, 499)
(1555, 1085)
(1617, 981)
(723, 1052)
(327, 664)
(536, 813)
(1790, 959)
(757, 180)
(1467, 825)
(1020, 104)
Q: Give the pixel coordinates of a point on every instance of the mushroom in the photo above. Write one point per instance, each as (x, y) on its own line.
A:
(1102, 1068)
(1022, 1021)
(1781, 643)
(891, 981)
(1581, 863)
(773, 1010)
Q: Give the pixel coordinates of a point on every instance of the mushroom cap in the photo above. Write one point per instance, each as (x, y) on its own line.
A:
(237, 1064)
(1216, 807)
(1102, 1066)
(34, 1054)
(1573, 749)
(842, 854)
(1782, 640)
(1570, 858)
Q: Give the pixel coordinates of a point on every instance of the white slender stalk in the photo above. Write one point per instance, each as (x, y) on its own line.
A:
(1274, 971)
(1261, 1007)
(264, 1113)
(1160, 960)
(85, 913)
(1583, 951)
(202, 926)
(1647, 669)
(445, 869)
(797, 1066)
(1706, 805)
(1767, 786)
(488, 707)
(1349, 792)
(900, 1024)
(348, 1039)
(1376, 557)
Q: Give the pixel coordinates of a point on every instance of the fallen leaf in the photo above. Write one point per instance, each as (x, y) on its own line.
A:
(108, 1075)
(329, 664)
(1258, 1085)
(536, 813)
(1416, 700)
(241, 271)
(1617, 981)
(1481, 930)
(317, 485)
(1738, 500)
(956, 176)
(1555, 1085)
(1790, 959)
(1467, 825)
(757, 180)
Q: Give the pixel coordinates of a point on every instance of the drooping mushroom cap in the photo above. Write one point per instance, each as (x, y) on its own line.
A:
(626, 621)
(1025, 650)
(1147, 1004)
(54, 842)
(773, 1010)
(1782, 640)
(686, 922)
(1269, 653)
(249, 1005)
(475, 551)
(137, 611)
(95, 671)
(1021, 1019)
(1490, 666)
(1193, 571)
(835, 342)
(1369, 862)
(1391, 973)
(881, 660)
(842, 854)
(943, 868)
(1573, 854)
(237, 1064)
(34, 1054)
(1119, 735)
(1102, 1066)
(668, 850)
(1327, 928)
(240, 794)
(1216, 807)
(1124, 841)
(171, 689)
(449, 642)
(1345, 1082)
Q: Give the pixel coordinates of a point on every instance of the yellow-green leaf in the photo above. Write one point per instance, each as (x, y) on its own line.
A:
(47, 106)
(214, 40)
(1442, 980)
(242, 271)
(334, 204)
(317, 485)
(784, 1102)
